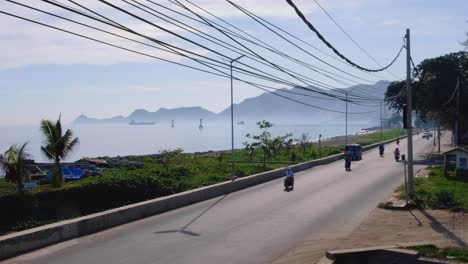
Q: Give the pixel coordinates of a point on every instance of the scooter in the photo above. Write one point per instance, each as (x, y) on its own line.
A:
(288, 183)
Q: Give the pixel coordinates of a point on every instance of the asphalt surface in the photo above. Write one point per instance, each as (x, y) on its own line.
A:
(255, 225)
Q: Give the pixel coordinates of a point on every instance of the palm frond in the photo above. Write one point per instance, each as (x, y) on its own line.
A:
(70, 145)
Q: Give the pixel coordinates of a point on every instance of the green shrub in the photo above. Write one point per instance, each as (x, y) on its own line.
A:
(17, 208)
(7, 188)
(445, 198)
(116, 188)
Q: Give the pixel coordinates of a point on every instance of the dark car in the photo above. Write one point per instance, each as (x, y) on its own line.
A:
(354, 151)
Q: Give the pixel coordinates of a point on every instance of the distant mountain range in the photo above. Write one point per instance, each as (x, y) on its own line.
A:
(270, 107)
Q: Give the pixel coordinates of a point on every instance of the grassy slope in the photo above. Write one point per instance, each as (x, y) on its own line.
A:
(440, 191)
(375, 137)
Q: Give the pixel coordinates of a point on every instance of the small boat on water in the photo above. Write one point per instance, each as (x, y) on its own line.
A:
(133, 123)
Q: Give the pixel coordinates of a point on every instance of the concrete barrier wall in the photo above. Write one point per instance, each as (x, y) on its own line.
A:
(32, 239)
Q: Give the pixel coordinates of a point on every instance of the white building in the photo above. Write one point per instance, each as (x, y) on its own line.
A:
(456, 158)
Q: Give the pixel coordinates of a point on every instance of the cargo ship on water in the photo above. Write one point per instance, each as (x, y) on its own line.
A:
(133, 123)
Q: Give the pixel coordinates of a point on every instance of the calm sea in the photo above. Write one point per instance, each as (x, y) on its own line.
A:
(115, 140)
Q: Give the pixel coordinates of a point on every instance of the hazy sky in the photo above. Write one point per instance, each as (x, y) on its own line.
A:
(44, 72)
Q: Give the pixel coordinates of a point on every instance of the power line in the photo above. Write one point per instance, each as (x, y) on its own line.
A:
(227, 45)
(209, 23)
(172, 46)
(346, 33)
(263, 22)
(162, 59)
(209, 49)
(311, 27)
(280, 29)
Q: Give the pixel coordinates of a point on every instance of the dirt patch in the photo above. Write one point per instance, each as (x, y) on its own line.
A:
(384, 227)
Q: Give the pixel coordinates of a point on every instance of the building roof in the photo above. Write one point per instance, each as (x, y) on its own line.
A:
(455, 149)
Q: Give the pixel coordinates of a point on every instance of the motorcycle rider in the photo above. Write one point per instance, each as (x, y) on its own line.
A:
(347, 162)
(381, 149)
(289, 177)
(397, 154)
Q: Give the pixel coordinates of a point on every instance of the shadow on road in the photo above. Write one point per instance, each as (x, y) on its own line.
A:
(415, 218)
(440, 228)
(184, 230)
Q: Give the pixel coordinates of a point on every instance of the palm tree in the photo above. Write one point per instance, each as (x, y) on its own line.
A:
(14, 165)
(57, 147)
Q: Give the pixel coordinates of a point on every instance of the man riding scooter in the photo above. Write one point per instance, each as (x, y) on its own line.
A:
(348, 159)
(381, 150)
(289, 180)
(397, 155)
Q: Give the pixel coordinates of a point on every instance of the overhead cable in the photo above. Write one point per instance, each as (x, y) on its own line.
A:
(319, 35)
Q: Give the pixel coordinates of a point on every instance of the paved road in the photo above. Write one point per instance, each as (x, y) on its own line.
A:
(255, 225)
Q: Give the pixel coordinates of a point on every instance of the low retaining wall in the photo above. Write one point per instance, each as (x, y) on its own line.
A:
(32, 239)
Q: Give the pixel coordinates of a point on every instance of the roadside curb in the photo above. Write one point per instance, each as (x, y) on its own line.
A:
(32, 239)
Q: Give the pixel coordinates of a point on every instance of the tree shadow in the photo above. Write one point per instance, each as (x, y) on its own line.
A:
(184, 230)
(440, 228)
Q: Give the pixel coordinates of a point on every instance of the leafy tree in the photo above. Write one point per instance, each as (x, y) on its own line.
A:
(249, 149)
(168, 156)
(267, 143)
(434, 89)
(58, 145)
(394, 121)
(14, 165)
(303, 140)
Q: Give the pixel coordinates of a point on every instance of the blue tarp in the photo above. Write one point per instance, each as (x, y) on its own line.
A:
(69, 174)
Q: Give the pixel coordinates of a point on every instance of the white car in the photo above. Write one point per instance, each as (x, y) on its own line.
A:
(426, 135)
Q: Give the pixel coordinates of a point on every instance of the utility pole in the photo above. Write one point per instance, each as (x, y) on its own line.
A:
(232, 118)
(434, 131)
(346, 136)
(457, 113)
(409, 92)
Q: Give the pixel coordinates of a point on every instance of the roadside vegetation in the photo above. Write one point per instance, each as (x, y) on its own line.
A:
(438, 191)
(14, 166)
(449, 253)
(165, 173)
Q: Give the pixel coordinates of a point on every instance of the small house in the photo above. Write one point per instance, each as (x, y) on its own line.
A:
(456, 159)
